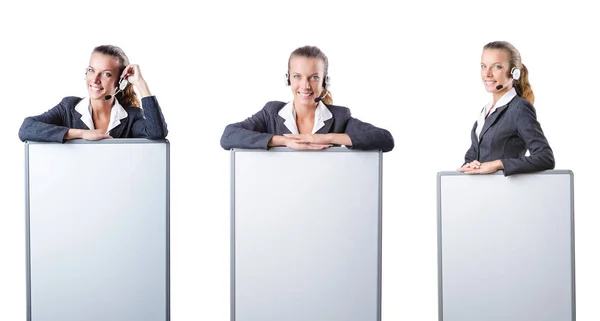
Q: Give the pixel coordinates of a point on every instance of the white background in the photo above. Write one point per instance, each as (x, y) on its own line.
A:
(412, 68)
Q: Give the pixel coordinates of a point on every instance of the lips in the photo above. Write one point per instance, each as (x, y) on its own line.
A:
(305, 94)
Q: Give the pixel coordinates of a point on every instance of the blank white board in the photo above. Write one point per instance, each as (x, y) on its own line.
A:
(506, 247)
(306, 235)
(97, 230)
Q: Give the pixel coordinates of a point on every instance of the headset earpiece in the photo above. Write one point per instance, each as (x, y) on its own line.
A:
(287, 80)
(326, 82)
(515, 73)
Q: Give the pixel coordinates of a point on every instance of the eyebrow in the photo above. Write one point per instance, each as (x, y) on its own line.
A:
(297, 73)
(100, 70)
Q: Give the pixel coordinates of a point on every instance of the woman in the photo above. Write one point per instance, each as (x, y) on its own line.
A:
(310, 121)
(111, 110)
(507, 126)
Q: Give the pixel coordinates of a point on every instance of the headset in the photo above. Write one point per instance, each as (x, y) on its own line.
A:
(123, 82)
(515, 73)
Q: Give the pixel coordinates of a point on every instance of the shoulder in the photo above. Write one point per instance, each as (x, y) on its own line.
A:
(520, 106)
(339, 111)
(273, 107)
(133, 112)
(70, 102)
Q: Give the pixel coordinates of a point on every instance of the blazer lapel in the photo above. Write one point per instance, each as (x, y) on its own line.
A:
(491, 120)
(325, 129)
(117, 132)
(281, 128)
(77, 122)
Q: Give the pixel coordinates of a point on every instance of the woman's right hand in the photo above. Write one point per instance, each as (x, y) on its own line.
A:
(470, 166)
(87, 134)
(294, 144)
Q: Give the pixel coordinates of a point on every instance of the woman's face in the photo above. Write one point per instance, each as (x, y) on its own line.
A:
(495, 70)
(102, 75)
(306, 79)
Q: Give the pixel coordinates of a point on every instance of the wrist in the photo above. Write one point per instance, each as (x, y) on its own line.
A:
(142, 87)
(277, 140)
(498, 164)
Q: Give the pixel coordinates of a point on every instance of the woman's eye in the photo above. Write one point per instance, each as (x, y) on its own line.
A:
(107, 74)
(498, 66)
(315, 77)
(88, 70)
(296, 76)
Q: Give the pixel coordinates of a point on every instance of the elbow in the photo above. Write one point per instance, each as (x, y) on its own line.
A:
(158, 133)
(226, 142)
(23, 132)
(388, 142)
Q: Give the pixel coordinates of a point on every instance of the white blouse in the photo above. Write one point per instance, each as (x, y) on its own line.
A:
(117, 112)
(505, 99)
(288, 113)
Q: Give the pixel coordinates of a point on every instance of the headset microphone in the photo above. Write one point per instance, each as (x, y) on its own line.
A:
(318, 99)
(122, 84)
(499, 87)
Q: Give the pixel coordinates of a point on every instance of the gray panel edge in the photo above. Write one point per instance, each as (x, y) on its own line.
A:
(546, 172)
(168, 227)
(108, 141)
(380, 237)
(232, 240)
(439, 246)
(27, 238)
(287, 149)
(573, 285)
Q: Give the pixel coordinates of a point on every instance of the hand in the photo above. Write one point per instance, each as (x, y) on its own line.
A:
(133, 74)
(475, 167)
(94, 134)
(318, 139)
(305, 146)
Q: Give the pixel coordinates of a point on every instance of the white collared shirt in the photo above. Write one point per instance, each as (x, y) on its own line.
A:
(505, 99)
(288, 113)
(117, 112)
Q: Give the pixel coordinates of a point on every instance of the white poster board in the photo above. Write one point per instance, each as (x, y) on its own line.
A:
(306, 235)
(506, 247)
(98, 230)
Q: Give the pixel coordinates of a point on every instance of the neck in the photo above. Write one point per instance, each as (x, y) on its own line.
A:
(102, 105)
(305, 111)
(498, 94)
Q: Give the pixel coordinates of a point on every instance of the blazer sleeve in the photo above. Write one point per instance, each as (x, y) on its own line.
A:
(251, 133)
(47, 127)
(365, 136)
(471, 154)
(529, 129)
(151, 122)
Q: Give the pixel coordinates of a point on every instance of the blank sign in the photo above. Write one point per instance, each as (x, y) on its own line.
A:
(506, 247)
(306, 230)
(97, 230)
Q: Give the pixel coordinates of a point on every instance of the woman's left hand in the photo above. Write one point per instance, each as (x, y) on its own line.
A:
(482, 168)
(133, 74)
(317, 139)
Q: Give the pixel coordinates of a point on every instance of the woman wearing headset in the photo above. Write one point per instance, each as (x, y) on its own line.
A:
(111, 110)
(310, 121)
(507, 126)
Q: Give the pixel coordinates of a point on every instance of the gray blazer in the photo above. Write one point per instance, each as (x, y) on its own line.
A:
(53, 125)
(256, 131)
(507, 134)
